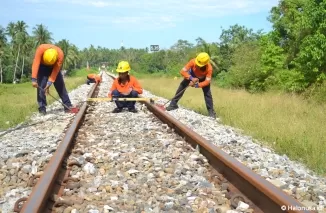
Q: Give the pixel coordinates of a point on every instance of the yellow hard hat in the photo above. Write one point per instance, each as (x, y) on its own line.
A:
(123, 66)
(202, 59)
(50, 56)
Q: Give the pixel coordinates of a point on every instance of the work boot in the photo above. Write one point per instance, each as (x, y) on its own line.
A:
(117, 110)
(172, 107)
(134, 110)
(67, 110)
(42, 111)
(212, 114)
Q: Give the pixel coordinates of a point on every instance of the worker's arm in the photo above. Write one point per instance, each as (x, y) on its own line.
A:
(57, 67)
(98, 78)
(37, 61)
(185, 69)
(113, 87)
(137, 87)
(207, 79)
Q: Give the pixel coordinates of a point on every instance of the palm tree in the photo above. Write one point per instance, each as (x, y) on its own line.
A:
(27, 45)
(41, 35)
(70, 52)
(20, 39)
(64, 45)
(74, 55)
(11, 32)
(3, 41)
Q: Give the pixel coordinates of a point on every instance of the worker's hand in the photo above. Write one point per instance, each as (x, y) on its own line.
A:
(34, 84)
(192, 84)
(195, 80)
(129, 91)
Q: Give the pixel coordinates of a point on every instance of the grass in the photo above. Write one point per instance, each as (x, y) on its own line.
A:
(287, 123)
(18, 101)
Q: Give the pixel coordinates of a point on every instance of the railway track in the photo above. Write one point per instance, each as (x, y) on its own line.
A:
(136, 162)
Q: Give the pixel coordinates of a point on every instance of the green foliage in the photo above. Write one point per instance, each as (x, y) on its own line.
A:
(317, 93)
(289, 58)
(311, 58)
(246, 71)
(231, 39)
(81, 72)
(290, 80)
(299, 28)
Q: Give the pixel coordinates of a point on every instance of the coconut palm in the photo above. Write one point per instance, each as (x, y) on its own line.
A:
(3, 41)
(71, 54)
(11, 32)
(41, 35)
(26, 46)
(19, 40)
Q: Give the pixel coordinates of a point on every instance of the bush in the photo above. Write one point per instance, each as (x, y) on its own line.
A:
(290, 80)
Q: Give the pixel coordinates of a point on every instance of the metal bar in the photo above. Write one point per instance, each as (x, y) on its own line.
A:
(121, 99)
(38, 198)
(262, 193)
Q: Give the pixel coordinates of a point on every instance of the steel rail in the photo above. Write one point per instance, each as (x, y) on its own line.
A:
(37, 200)
(267, 197)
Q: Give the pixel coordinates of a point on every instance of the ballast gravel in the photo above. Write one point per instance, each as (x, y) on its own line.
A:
(26, 149)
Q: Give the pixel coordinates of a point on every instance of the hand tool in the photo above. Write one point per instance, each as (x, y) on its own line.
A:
(71, 109)
(162, 106)
(121, 99)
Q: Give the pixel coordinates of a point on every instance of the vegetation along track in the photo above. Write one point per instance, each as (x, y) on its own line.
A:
(133, 162)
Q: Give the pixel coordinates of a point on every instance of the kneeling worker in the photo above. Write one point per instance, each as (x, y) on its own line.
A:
(125, 86)
(93, 78)
(197, 73)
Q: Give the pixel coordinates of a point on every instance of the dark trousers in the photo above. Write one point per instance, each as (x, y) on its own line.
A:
(206, 90)
(59, 85)
(122, 104)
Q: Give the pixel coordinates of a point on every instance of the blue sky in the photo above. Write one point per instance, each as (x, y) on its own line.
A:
(138, 23)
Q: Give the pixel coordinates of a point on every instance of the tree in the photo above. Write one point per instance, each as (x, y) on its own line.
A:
(3, 41)
(19, 40)
(212, 50)
(233, 37)
(41, 35)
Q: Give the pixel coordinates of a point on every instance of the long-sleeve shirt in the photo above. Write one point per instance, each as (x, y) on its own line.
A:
(123, 88)
(38, 59)
(97, 78)
(190, 71)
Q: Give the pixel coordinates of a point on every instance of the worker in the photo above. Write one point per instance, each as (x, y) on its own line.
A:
(197, 73)
(46, 67)
(93, 78)
(125, 86)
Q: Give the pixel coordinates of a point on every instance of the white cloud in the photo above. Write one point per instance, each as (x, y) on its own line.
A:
(100, 3)
(163, 13)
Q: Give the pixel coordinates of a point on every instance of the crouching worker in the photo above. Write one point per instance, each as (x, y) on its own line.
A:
(125, 86)
(93, 78)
